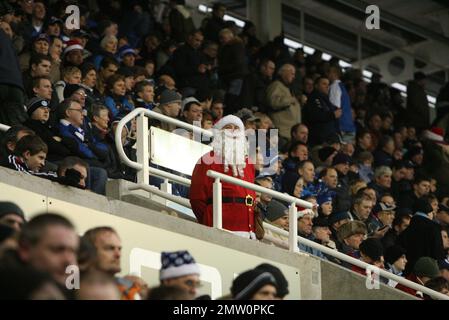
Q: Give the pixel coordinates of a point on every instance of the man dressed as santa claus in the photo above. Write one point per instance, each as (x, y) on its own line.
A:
(229, 156)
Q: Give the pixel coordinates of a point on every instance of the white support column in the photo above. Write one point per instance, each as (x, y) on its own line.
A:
(267, 16)
(143, 157)
(166, 186)
(293, 228)
(217, 205)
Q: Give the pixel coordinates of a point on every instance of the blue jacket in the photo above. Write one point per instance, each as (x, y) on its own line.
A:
(118, 106)
(84, 146)
(346, 121)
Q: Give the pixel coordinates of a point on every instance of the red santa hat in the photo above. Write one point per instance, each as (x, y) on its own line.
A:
(230, 119)
(435, 134)
(73, 45)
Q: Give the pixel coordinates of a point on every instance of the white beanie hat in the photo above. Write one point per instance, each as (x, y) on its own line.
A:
(305, 212)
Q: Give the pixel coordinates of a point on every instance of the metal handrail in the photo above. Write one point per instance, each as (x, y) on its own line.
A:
(359, 263)
(154, 115)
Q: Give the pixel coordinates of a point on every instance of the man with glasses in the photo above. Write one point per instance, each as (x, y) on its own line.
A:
(180, 270)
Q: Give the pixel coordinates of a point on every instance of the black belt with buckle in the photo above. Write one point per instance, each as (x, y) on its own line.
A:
(248, 200)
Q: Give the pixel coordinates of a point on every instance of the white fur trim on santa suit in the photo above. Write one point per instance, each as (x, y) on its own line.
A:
(180, 271)
(432, 136)
(230, 119)
(73, 47)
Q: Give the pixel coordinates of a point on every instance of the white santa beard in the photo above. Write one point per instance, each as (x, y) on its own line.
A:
(232, 150)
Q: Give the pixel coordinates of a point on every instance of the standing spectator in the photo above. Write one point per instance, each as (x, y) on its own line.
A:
(181, 22)
(11, 84)
(418, 111)
(232, 68)
(229, 157)
(320, 115)
(179, 269)
(342, 201)
(285, 108)
(213, 25)
(188, 65)
(255, 86)
(339, 97)
(11, 215)
(423, 236)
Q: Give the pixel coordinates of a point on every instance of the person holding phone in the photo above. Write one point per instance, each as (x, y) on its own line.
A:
(380, 220)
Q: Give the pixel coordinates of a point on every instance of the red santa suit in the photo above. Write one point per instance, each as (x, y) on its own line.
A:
(238, 208)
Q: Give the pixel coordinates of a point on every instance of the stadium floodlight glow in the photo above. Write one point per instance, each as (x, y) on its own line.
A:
(367, 74)
(431, 99)
(292, 44)
(238, 22)
(399, 86)
(308, 50)
(326, 56)
(344, 64)
(204, 8)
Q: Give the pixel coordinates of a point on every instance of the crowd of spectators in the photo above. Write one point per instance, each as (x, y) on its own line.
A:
(373, 163)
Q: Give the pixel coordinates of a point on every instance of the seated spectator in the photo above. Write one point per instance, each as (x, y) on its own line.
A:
(324, 201)
(381, 219)
(109, 67)
(282, 283)
(444, 268)
(127, 56)
(179, 269)
(351, 235)
(383, 156)
(298, 152)
(108, 49)
(37, 241)
(322, 234)
(395, 261)
(73, 54)
(361, 208)
(39, 67)
(207, 122)
(29, 157)
(116, 99)
(277, 215)
(170, 106)
(424, 269)
(336, 220)
(371, 252)
(70, 75)
(400, 223)
(442, 216)
(192, 112)
(97, 286)
(365, 159)
(11, 215)
(217, 109)
(168, 293)
(40, 45)
(72, 171)
(107, 259)
(364, 142)
(89, 82)
(9, 141)
(39, 114)
(254, 284)
(262, 199)
(305, 223)
(438, 284)
(382, 181)
(144, 97)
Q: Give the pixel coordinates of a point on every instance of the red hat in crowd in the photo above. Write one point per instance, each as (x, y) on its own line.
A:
(73, 45)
